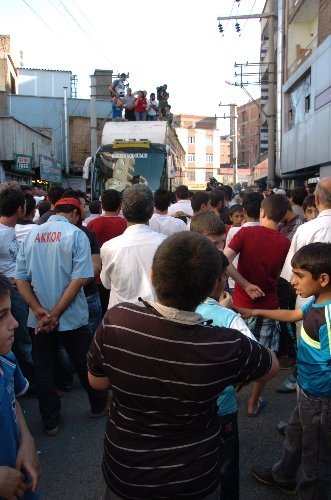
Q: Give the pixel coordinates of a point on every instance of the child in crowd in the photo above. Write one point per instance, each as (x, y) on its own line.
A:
(211, 225)
(19, 462)
(236, 214)
(211, 309)
(167, 368)
(308, 431)
(309, 208)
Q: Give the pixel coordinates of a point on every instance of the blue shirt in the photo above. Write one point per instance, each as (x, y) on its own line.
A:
(12, 384)
(314, 350)
(221, 316)
(51, 256)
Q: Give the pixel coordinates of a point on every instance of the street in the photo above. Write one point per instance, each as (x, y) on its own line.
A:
(71, 461)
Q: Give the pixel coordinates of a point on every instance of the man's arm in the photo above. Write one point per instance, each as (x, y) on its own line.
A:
(273, 370)
(26, 291)
(252, 290)
(99, 383)
(27, 457)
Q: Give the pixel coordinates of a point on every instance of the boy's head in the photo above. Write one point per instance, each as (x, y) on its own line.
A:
(185, 269)
(297, 195)
(309, 207)
(182, 192)
(211, 225)
(220, 283)
(252, 204)
(200, 201)
(274, 208)
(95, 207)
(162, 200)
(236, 214)
(111, 200)
(7, 322)
(312, 269)
(12, 201)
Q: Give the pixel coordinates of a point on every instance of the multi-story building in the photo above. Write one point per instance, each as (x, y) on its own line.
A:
(208, 153)
(248, 135)
(306, 93)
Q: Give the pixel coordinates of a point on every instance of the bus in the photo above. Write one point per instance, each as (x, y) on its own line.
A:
(147, 152)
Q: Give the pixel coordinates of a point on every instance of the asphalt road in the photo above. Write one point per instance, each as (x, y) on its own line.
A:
(71, 461)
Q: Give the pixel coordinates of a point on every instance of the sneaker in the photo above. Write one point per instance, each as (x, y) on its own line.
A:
(288, 385)
(103, 412)
(265, 476)
(53, 432)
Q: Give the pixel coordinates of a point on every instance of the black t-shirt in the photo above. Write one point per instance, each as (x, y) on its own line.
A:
(91, 288)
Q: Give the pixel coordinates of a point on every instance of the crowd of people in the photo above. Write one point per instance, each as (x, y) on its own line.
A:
(164, 305)
(136, 105)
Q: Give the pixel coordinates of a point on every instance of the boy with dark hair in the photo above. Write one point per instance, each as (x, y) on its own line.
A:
(200, 202)
(23, 227)
(218, 204)
(183, 203)
(95, 211)
(210, 224)
(309, 208)
(236, 215)
(53, 195)
(308, 431)
(166, 380)
(19, 462)
(262, 252)
(160, 221)
(297, 196)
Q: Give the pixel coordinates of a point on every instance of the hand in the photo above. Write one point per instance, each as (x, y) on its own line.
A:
(244, 312)
(47, 324)
(11, 483)
(28, 459)
(226, 300)
(253, 291)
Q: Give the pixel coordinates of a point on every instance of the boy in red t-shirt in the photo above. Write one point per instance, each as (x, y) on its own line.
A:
(262, 252)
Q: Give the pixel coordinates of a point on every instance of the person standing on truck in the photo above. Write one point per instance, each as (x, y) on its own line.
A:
(140, 107)
(152, 108)
(129, 101)
(117, 88)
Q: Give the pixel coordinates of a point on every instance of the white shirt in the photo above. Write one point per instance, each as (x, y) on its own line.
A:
(21, 231)
(181, 206)
(166, 224)
(230, 235)
(127, 264)
(316, 230)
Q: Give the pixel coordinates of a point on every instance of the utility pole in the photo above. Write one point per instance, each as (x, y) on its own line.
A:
(233, 133)
(66, 127)
(271, 85)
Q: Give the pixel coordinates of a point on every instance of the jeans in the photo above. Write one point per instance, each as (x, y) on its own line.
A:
(308, 441)
(229, 457)
(140, 117)
(94, 310)
(22, 347)
(45, 348)
(151, 118)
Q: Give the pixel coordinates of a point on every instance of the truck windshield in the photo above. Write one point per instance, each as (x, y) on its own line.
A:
(134, 165)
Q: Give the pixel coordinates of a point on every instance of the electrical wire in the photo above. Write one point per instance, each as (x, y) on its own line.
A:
(48, 26)
(234, 1)
(247, 17)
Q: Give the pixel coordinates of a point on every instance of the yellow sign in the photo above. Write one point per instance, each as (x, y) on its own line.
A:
(197, 187)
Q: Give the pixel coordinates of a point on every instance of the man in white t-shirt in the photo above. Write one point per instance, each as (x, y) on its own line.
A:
(152, 108)
(183, 203)
(160, 221)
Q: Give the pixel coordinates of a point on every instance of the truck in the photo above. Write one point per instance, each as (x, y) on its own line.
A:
(133, 152)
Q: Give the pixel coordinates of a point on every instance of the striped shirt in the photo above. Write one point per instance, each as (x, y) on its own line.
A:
(162, 437)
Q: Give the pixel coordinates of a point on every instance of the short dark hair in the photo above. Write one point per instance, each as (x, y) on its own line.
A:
(137, 203)
(182, 192)
(235, 208)
(66, 209)
(95, 207)
(298, 194)
(30, 204)
(309, 201)
(185, 268)
(5, 286)
(215, 196)
(162, 199)
(43, 207)
(228, 192)
(198, 199)
(54, 194)
(207, 223)
(252, 204)
(73, 193)
(275, 207)
(10, 201)
(314, 258)
(111, 200)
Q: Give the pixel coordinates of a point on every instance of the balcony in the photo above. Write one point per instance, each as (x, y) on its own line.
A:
(302, 10)
(302, 54)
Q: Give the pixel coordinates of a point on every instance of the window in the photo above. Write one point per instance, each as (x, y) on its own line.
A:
(307, 103)
(191, 157)
(209, 173)
(191, 139)
(191, 175)
(209, 140)
(209, 158)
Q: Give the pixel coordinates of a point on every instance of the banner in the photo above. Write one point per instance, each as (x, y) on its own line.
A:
(50, 170)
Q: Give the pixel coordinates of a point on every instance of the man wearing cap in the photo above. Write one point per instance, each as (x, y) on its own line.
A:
(52, 266)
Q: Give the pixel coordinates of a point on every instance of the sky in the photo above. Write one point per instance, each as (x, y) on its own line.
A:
(175, 42)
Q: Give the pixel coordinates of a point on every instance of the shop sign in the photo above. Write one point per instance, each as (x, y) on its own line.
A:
(50, 169)
(23, 164)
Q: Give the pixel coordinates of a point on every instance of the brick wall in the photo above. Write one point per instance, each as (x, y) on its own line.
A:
(324, 20)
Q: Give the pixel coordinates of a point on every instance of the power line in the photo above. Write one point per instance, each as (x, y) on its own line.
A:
(48, 26)
(247, 18)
